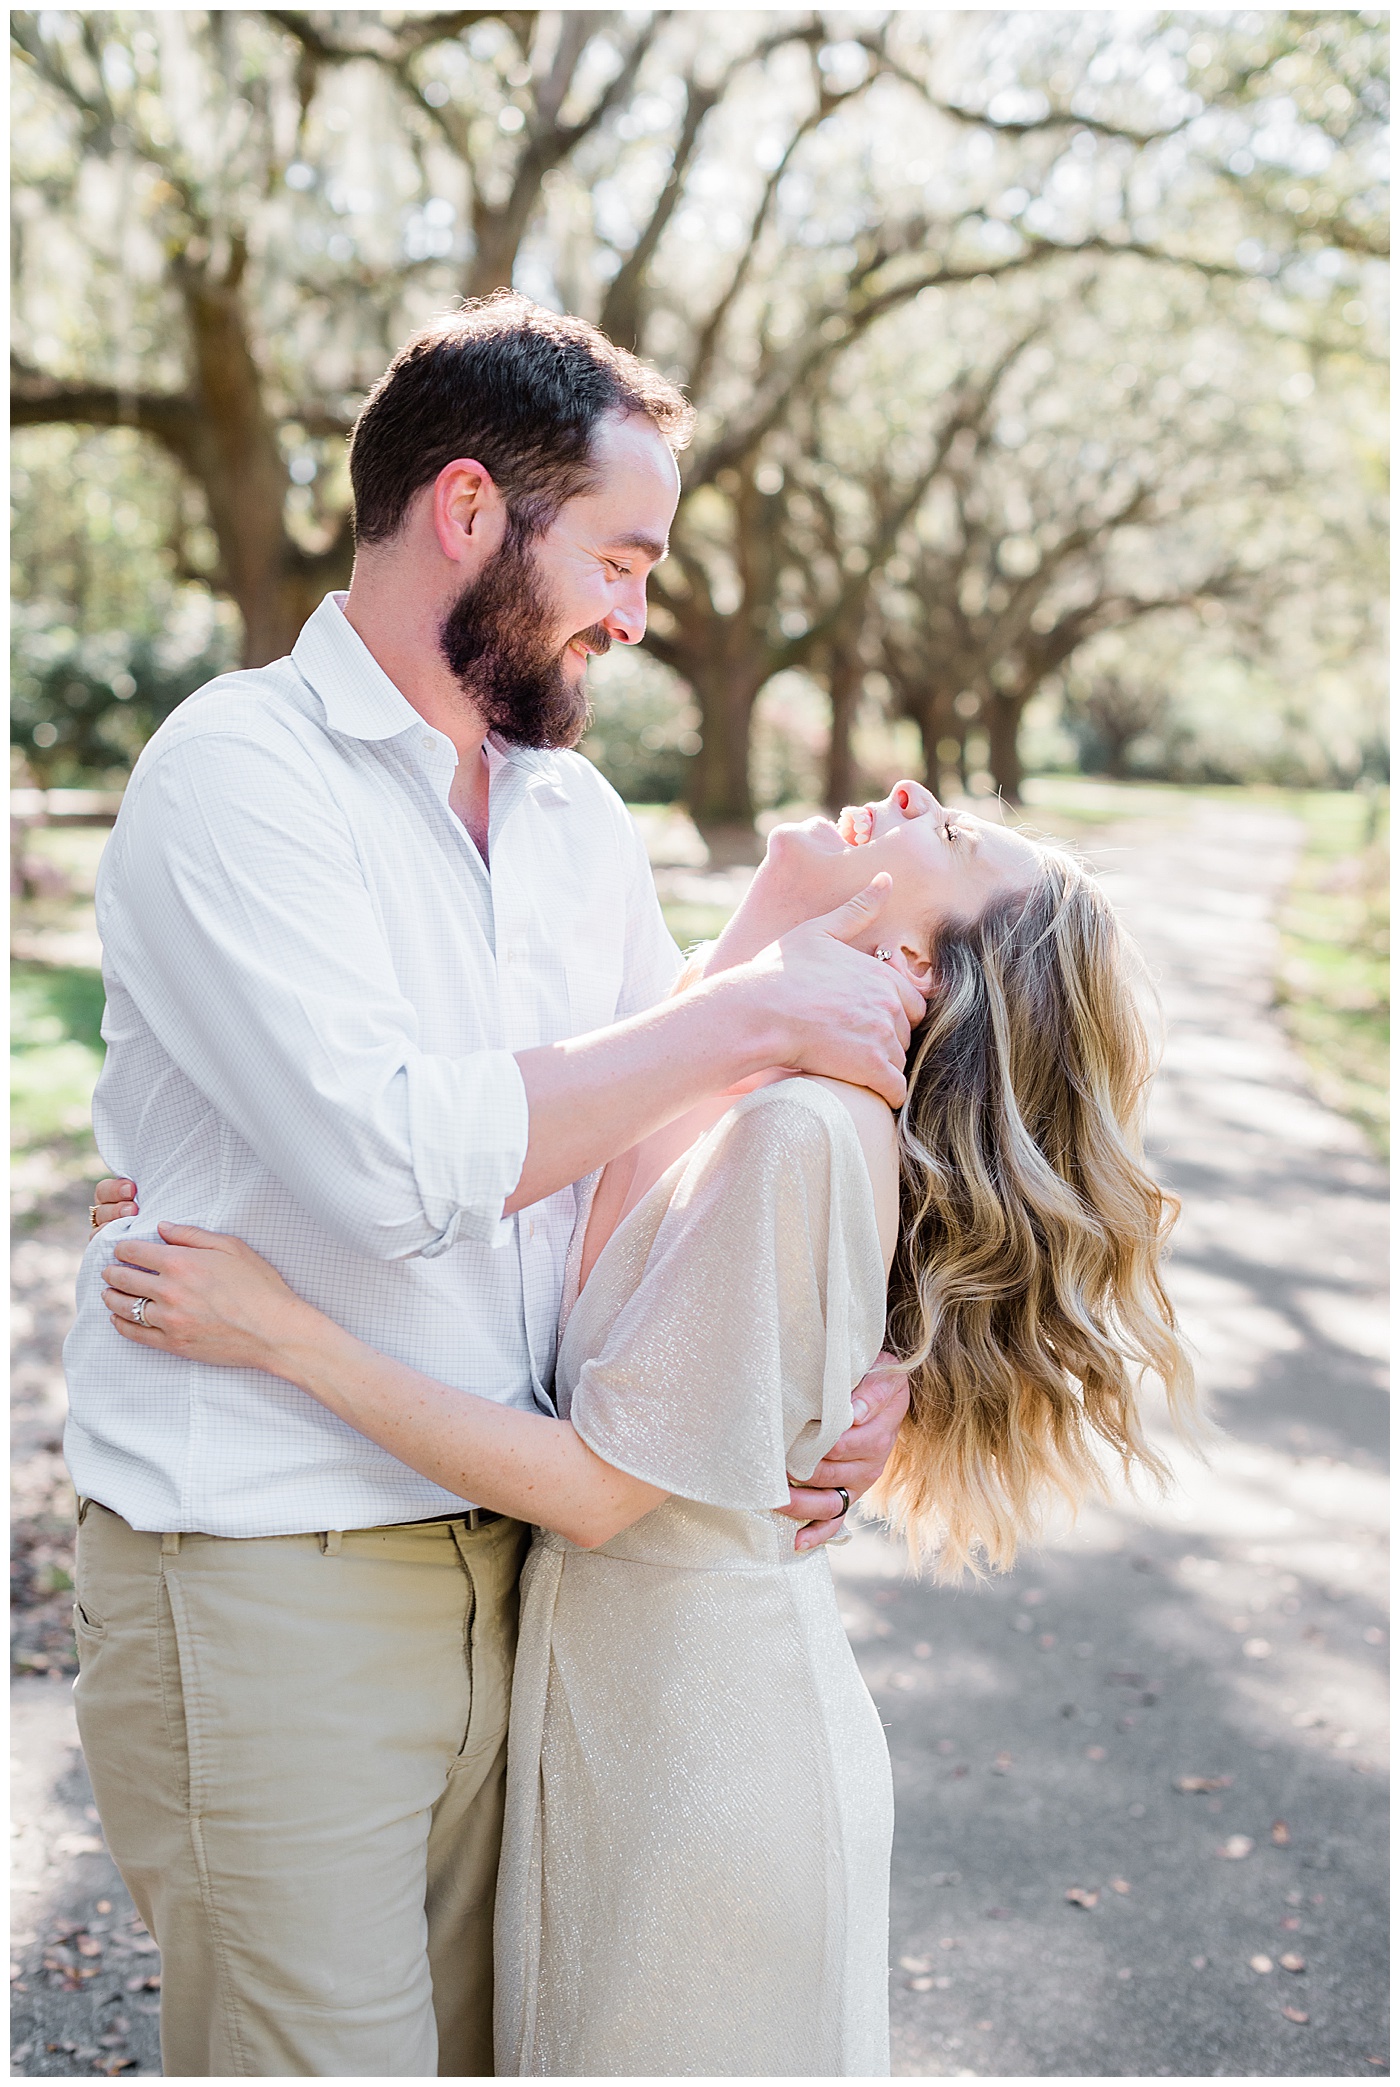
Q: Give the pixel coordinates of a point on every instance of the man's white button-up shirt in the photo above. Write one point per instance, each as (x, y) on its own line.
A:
(314, 991)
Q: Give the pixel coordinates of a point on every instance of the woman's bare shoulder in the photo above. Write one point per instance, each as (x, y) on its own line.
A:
(873, 1118)
(876, 1127)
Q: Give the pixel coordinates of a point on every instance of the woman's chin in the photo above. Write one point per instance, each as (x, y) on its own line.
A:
(815, 836)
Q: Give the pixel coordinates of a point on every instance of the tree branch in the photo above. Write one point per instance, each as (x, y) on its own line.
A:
(708, 341)
(314, 420)
(98, 117)
(390, 45)
(618, 87)
(823, 342)
(38, 400)
(1022, 127)
(621, 315)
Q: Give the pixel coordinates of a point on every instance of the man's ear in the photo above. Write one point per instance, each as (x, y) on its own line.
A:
(469, 514)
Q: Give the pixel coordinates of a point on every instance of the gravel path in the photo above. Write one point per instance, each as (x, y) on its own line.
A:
(1041, 1725)
(1233, 1634)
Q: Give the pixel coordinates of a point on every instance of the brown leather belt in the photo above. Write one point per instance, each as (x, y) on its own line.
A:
(474, 1517)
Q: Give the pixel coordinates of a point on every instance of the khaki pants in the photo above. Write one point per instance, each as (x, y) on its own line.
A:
(298, 1749)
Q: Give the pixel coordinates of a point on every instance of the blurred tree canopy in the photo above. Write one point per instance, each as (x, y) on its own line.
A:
(1011, 334)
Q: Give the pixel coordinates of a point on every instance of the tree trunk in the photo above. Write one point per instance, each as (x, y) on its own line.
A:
(1003, 719)
(932, 712)
(238, 461)
(844, 680)
(224, 439)
(717, 789)
(497, 233)
(220, 433)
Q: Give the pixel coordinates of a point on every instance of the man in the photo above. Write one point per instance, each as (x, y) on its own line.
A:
(385, 975)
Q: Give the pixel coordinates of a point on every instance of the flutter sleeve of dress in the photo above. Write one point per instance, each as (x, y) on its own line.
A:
(760, 1307)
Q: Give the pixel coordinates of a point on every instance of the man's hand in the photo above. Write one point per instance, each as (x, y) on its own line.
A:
(838, 1011)
(880, 1402)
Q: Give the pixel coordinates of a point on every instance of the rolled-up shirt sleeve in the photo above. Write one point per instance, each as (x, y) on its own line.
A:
(248, 937)
(462, 1187)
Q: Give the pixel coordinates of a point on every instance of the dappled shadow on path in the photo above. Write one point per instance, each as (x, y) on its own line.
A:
(1040, 1727)
(1232, 1633)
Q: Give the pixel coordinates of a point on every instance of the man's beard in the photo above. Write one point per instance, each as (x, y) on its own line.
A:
(492, 640)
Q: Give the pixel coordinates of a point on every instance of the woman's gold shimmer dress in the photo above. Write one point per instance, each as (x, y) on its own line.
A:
(696, 1867)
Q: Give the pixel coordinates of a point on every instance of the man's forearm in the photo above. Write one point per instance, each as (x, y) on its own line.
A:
(595, 1096)
(809, 1001)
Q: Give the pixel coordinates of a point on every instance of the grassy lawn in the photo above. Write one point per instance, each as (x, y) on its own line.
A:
(55, 1050)
(55, 1020)
(1334, 925)
(1075, 806)
(690, 923)
(1333, 987)
(1334, 981)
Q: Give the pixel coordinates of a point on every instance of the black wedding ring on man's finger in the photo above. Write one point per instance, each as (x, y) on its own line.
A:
(845, 1502)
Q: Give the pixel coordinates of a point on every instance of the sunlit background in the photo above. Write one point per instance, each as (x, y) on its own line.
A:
(1039, 358)
(1040, 365)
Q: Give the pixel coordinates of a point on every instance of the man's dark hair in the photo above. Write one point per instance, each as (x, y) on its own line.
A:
(516, 387)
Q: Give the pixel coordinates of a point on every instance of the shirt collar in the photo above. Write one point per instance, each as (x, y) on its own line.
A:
(542, 770)
(356, 694)
(360, 700)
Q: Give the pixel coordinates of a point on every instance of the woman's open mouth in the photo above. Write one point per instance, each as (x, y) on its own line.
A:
(856, 825)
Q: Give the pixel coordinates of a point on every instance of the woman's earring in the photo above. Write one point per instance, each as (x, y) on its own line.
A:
(884, 956)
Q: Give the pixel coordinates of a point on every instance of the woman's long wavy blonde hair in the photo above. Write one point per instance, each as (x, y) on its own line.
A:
(1026, 1294)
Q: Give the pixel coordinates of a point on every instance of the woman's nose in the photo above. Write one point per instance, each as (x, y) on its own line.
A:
(914, 799)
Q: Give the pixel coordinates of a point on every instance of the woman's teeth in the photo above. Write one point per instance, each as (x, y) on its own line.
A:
(856, 824)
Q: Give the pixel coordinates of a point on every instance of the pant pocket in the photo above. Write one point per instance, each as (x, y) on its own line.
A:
(88, 1634)
(89, 1620)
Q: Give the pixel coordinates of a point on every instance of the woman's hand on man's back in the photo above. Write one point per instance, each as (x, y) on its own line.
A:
(113, 1198)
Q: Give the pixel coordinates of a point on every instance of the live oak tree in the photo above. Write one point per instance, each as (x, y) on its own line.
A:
(259, 206)
(1230, 498)
(243, 284)
(1038, 536)
(1085, 190)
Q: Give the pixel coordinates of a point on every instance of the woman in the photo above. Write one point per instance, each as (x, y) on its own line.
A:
(694, 1878)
